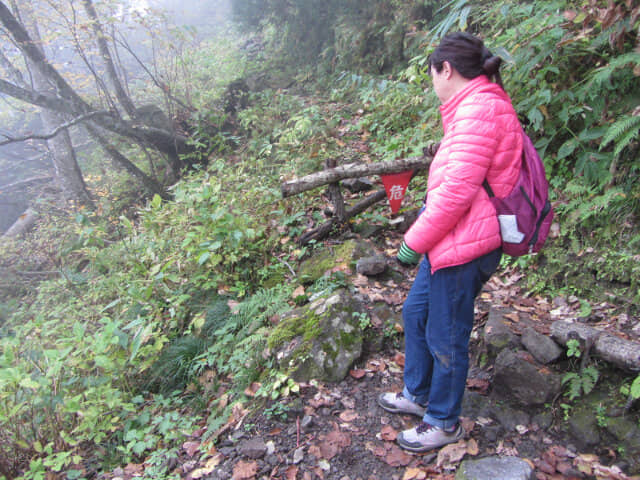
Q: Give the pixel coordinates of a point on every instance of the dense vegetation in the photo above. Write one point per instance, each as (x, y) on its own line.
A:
(116, 335)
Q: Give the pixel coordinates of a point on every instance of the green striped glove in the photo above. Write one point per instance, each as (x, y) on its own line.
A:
(408, 256)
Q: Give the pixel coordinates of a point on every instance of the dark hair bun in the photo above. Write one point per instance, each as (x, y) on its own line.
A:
(491, 65)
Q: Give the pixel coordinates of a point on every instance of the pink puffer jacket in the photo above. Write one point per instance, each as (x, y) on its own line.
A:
(482, 139)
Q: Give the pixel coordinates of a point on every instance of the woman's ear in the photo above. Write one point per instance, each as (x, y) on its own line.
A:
(447, 69)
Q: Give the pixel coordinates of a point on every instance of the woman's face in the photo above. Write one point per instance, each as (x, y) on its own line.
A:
(441, 81)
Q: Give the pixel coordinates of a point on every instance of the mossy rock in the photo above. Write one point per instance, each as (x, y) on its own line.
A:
(321, 340)
(332, 256)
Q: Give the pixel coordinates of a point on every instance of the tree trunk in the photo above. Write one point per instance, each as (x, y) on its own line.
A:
(67, 171)
(103, 47)
(150, 184)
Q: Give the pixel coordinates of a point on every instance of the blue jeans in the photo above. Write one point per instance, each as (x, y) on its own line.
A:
(438, 318)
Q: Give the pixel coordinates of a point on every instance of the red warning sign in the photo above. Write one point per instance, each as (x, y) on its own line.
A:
(396, 185)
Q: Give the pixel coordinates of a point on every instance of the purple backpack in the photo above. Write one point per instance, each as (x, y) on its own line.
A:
(525, 214)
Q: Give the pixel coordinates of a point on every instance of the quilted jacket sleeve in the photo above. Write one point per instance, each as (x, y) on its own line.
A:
(456, 175)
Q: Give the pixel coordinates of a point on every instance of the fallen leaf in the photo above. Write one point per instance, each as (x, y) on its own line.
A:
(361, 280)
(244, 470)
(507, 451)
(251, 390)
(357, 373)
(209, 466)
(298, 292)
(472, 447)
(397, 457)
(467, 424)
(480, 385)
(398, 358)
(413, 473)
(375, 448)
(191, 448)
(451, 454)
(348, 415)
(388, 433)
(315, 451)
(513, 316)
(291, 473)
(133, 469)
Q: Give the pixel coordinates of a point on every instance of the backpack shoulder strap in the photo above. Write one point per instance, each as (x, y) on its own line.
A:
(487, 187)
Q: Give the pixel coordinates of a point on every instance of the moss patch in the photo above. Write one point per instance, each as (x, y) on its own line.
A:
(345, 253)
(320, 340)
(300, 322)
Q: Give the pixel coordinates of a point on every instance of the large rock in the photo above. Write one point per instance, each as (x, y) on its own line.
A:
(543, 348)
(626, 431)
(494, 468)
(320, 340)
(497, 334)
(517, 375)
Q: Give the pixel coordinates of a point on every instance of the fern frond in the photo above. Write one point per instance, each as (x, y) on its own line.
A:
(626, 139)
(621, 130)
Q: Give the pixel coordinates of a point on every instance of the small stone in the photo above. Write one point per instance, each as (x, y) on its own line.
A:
(306, 422)
(253, 448)
(271, 447)
(370, 266)
(495, 467)
(298, 455)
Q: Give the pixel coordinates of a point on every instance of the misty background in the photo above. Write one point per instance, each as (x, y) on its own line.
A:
(19, 161)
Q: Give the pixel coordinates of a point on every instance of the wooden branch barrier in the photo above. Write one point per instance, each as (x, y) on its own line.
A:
(353, 170)
(332, 175)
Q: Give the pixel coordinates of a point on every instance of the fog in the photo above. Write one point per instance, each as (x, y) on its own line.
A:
(18, 161)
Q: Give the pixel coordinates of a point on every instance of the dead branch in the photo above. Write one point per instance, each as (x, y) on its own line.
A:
(58, 129)
(353, 170)
(326, 228)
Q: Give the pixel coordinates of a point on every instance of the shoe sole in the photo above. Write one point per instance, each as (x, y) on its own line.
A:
(391, 409)
(421, 449)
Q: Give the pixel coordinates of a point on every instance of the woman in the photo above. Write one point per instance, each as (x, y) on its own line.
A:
(459, 233)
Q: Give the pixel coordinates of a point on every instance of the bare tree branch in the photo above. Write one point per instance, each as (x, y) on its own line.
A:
(58, 129)
(121, 95)
(160, 84)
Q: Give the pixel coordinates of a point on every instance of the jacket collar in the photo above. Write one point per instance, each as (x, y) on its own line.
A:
(478, 84)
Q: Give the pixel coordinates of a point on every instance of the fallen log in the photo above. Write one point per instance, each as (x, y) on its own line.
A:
(353, 170)
(22, 224)
(622, 353)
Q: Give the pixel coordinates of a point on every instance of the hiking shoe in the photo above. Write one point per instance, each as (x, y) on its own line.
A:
(398, 403)
(426, 437)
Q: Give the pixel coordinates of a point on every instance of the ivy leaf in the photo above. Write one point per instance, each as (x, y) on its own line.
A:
(204, 257)
(567, 148)
(635, 388)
